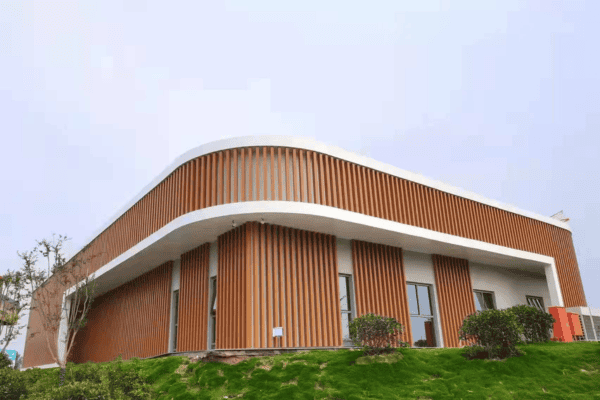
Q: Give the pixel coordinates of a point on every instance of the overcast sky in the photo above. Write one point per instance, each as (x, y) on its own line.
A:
(97, 98)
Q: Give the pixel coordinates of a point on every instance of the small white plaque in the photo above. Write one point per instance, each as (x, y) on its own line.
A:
(278, 332)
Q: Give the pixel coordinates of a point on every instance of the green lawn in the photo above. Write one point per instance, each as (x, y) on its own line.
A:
(550, 370)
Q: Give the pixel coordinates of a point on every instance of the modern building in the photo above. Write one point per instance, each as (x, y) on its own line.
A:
(278, 242)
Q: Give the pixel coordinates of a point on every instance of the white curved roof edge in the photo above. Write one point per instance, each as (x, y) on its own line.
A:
(314, 145)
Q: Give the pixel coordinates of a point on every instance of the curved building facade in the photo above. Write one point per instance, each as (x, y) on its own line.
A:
(278, 242)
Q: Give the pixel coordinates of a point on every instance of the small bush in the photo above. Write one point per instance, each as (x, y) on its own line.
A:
(5, 362)
(497, 332)
(128, 384)
(74, 390)
(12, 384)
(94, 381)
(375, 334)
(536, 324)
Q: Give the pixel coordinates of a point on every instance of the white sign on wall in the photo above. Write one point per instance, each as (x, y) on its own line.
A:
(278, 332)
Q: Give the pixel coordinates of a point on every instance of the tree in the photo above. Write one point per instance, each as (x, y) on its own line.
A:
(18, 361)
(12, 306)
(66, 295)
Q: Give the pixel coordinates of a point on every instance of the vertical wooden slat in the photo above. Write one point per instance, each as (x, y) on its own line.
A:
(310, 173)
(324, 196)
(279, 173)
(243, 173)
(301, 165)
(272, 172)
(227, 178)
(296, 174)
(235, 171)
(265, 177)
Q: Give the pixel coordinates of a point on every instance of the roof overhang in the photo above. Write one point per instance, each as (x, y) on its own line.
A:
(193, 229)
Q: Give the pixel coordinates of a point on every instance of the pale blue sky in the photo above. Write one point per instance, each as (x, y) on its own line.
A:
(499, 98)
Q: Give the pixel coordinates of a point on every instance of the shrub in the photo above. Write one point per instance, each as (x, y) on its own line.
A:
(5, 362)
(94, 381)
(73, 391)
(128, 384)
(12, 384)
(375, 334)
(536, 324)
(497, 332)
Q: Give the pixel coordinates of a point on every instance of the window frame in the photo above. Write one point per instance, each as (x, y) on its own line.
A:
(432, 308)
(475, 291)
(541, 300)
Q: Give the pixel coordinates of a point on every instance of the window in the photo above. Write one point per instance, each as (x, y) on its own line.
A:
(536, 302)
(421, 315)
(175, 318)
(213, 313)
(484, 300)
(346, 304)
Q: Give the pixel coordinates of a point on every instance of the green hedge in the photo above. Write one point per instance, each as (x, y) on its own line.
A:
(536, 324)
(375, 334)
(496, 334)
(82, 381)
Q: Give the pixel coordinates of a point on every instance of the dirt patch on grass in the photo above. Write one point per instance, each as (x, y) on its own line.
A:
(290, 382)
(383, 358)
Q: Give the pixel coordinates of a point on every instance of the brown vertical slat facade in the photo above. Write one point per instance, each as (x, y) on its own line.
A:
(455, 295)
(193, 300)
(380, 283)
(311, 176)
(109, 332)
(276, 258)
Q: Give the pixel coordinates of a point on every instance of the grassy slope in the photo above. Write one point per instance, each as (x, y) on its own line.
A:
(550, 370)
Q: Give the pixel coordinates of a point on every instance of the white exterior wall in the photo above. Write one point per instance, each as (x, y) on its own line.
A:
(344, 254)
(418, 267)
(510, 287)
(213, 259)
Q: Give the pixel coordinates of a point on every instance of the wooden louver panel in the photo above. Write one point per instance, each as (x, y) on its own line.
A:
(271, 276)
(380, 283)
(131, 320)
(231, 331)
(455, 295)
(305, 176)
(193, 300)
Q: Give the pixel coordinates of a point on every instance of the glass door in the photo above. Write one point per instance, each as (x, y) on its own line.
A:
(421, 315)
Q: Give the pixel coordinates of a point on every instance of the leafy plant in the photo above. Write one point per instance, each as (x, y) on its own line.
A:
(536, 323)
(375, 334)
(5, 362)
(497, 332)
(12, 384)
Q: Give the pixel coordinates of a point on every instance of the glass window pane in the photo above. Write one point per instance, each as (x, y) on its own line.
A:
(214, 296)
(489, 301)
(344, 293)
(478, 301)
(412, 299)
(346, 325)
(175, 305)
(423, 332)
(424, 304)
